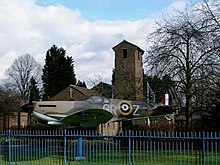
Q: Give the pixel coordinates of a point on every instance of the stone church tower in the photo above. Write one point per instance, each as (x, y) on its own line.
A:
(128, 71)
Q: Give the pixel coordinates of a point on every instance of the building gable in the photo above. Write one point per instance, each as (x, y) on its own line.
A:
(126, 43)
(74, 93)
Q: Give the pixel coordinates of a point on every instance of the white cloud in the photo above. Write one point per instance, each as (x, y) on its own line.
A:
(6, 60)
(178, 5)
(28, 28)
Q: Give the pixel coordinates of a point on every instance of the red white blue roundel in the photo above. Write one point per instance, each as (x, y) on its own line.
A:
(125, 107)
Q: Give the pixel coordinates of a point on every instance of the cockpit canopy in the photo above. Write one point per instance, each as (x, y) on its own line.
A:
(98, 100)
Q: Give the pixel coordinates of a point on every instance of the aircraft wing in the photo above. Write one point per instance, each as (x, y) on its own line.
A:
(158, 112)
(82, 118)
(167, 117)
(89, 117)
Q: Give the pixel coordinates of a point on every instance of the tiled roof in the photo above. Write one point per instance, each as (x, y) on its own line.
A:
(85, 91)
(124, 41)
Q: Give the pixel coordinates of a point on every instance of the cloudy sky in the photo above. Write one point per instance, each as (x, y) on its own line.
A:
(86, 29)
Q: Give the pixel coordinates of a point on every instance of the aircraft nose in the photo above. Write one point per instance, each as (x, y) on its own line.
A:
(27, 107)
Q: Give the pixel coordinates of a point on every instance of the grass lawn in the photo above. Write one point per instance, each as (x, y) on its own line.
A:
(107, 157)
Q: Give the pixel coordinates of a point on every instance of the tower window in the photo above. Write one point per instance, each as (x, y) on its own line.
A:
(125, 54)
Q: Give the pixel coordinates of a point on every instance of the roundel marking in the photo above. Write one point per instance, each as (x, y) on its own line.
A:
(125, 107)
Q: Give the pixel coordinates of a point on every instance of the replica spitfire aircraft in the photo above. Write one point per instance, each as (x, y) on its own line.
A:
(94, 111)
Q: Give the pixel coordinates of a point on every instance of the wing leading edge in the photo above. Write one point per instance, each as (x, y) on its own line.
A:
(82, 118)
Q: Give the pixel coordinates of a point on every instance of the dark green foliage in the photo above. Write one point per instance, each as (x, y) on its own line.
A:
(158, 85)
(81, 84)
(34, 89)
(58, 72)
(211, 121)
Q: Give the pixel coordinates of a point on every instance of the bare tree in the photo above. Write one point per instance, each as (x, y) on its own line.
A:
(96, 79)
(210, 11)
(186, 47)
(19, 74)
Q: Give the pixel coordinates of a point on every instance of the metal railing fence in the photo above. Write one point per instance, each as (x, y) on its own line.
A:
(64, 147)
